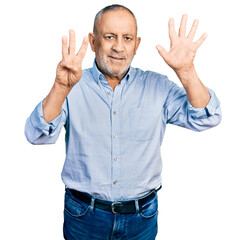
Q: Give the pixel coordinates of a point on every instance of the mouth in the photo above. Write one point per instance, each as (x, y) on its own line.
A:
(117, 58)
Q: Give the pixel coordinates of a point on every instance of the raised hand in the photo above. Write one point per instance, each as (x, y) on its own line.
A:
(69, 69)
(182, 50)
(68, 73)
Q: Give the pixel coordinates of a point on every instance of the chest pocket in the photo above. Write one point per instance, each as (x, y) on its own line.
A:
(142, 124)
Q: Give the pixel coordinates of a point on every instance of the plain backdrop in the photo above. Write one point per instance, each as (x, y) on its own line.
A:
(203, 195)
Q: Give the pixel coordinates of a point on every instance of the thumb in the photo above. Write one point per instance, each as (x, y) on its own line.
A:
(162, 51)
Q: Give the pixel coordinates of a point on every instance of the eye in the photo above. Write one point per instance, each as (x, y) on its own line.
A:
(109, 37)
(128, 38)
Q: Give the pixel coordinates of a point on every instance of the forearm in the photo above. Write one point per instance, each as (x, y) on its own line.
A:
(52, 104)
(197, 93)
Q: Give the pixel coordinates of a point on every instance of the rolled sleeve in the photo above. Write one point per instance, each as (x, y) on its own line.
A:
(179, 111)
(38, 131)
(37, 120)
(209, 110)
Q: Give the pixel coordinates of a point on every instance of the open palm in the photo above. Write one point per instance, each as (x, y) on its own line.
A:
(182, 50)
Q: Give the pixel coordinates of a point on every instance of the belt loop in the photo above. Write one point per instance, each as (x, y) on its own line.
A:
(137, 206)
(92, 204)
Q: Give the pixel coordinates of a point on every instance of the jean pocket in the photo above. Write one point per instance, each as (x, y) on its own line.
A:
(150, 209)
(142, 124)
(75, 208)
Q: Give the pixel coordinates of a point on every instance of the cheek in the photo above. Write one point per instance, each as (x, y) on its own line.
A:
(131, 51)
(104, 48)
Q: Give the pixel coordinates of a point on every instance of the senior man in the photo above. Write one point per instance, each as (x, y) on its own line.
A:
(115, 118)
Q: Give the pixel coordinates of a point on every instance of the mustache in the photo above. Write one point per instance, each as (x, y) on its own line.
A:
(116, 55)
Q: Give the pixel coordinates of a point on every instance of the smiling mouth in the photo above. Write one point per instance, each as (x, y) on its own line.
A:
(117, 58)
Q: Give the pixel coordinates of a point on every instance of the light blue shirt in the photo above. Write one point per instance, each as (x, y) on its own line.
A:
(113, 138)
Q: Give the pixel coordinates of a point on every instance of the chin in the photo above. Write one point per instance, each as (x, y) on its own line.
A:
(119, 71)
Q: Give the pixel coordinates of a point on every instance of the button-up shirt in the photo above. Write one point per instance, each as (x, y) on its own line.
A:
(113, 138)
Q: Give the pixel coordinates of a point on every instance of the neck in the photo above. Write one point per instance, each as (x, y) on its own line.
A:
(114, 78)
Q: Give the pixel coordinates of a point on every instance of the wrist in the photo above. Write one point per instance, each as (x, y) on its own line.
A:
(186, 75)
(61, 89)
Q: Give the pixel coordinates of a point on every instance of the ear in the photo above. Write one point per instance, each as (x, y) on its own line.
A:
(91, 38)
(137, 44)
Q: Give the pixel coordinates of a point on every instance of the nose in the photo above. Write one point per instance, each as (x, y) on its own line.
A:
(118, 45)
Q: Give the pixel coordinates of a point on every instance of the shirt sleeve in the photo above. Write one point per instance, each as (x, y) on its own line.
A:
(179, 111)
(38, 131)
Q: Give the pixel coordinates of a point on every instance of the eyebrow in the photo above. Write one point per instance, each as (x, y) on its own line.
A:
(125, 34)
(109, 33)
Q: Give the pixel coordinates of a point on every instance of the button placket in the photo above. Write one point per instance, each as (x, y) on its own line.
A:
(115, 119)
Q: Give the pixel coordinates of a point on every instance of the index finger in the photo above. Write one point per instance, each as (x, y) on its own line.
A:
(83, 48)
(172, 33)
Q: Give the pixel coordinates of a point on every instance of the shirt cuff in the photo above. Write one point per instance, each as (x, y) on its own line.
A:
(37, 120)
(210, 109)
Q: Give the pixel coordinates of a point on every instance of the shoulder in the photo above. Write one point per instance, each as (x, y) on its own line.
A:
(151, 77)
(88, 72)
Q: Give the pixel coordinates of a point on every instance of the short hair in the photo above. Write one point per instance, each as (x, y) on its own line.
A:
(111, 8)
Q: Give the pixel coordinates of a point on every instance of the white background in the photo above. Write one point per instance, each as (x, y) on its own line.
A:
(203, 194)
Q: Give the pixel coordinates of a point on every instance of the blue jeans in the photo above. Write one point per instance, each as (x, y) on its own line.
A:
(83, 222)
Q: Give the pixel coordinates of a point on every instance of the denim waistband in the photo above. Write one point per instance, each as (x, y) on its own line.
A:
(130, 206)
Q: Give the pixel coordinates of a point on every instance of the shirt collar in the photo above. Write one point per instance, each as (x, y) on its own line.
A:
(98, 76)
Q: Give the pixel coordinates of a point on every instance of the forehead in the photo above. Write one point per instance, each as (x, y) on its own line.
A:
(117, 21)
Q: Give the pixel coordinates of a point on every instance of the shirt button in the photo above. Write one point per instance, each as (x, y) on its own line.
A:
(115, 181)
(115, 158)
(114, 112)
(101, 77)
(109, 92)
(115, 135)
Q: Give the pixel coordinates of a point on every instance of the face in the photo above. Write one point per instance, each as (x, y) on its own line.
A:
(115, 42)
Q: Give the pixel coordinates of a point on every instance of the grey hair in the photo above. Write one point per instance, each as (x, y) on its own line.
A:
(110, 8)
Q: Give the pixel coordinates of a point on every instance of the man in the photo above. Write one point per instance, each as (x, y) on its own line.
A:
(115, 118)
